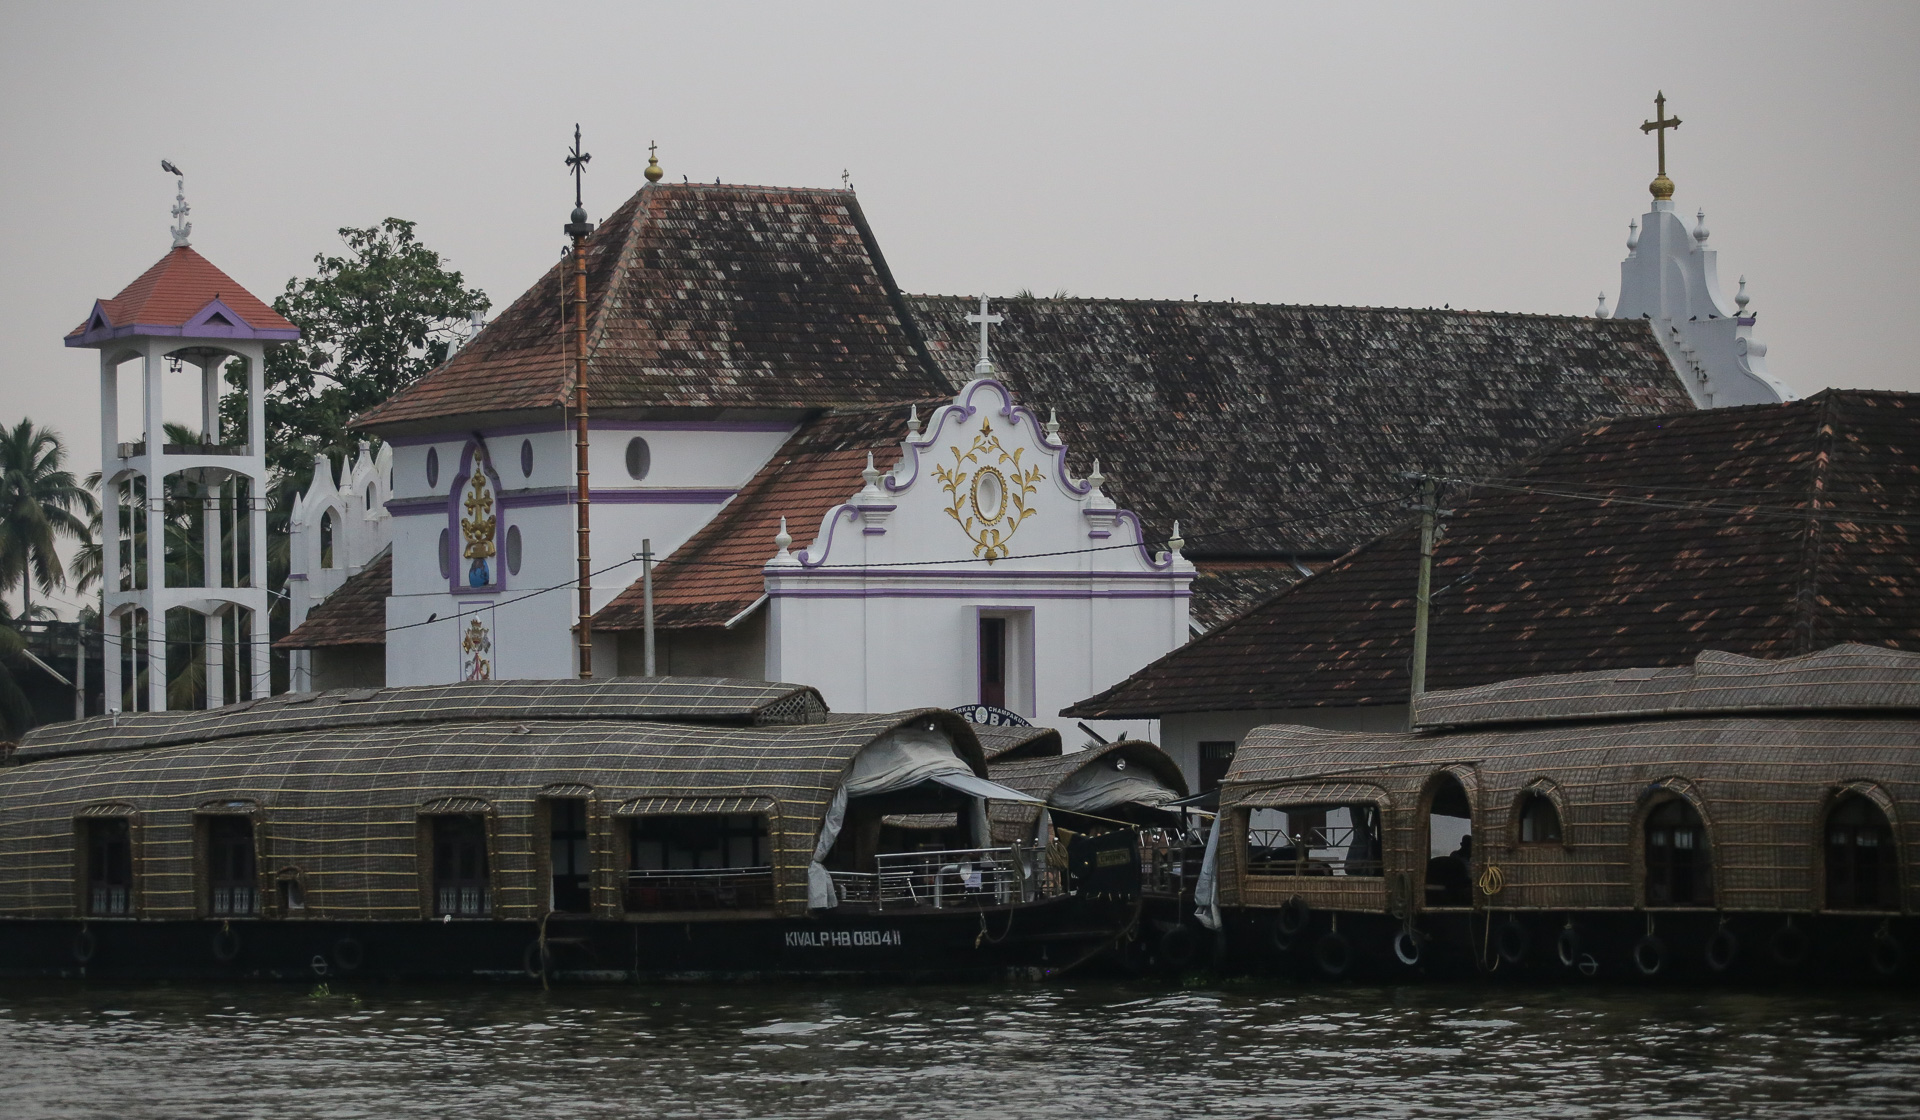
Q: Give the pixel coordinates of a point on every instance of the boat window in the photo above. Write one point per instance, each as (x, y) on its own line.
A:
(1678, 870)
(1216, 758)
(567, 850)
(461, 886)
(292, 893)
(1314, 840)
(1449, 879)
(109, 886)
(1539, 819)
(232, 888)
(1862, 865)
(709, 861)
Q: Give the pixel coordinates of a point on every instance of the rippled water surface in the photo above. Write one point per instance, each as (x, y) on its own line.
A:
(1077, 1052)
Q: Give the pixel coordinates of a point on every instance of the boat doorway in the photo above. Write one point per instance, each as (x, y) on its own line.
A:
(569, 861)
(1449, 829)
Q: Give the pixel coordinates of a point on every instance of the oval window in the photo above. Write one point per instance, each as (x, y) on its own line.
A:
(446, 560)
(639, 458)
(433, 466)
(526, 457)
(513, 550)
(989, 495)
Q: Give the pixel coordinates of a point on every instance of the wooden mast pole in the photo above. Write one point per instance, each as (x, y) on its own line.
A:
(578, 229)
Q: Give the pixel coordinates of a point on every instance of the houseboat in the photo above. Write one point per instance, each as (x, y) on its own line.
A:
(537, 830)
(1728, 818)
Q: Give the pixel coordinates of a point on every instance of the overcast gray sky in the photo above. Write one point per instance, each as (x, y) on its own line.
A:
(1480, 155)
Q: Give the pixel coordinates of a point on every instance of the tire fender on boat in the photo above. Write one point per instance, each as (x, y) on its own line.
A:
(1513, 941)
(1408, 945)
(1293, 916)
(1789, 945)
(1179, 946)
(85, 945)
(1888, 956)
(226, 944)
(1650, 955)
(1723, 948)
(1333, 953)
(1568, 945)
(349, 954)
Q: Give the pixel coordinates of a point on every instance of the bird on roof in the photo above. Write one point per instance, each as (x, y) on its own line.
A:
(168, 167)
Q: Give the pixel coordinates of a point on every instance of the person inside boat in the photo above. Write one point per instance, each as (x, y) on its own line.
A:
(1449, 880)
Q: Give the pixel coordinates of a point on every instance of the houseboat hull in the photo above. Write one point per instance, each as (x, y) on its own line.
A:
(1034, 941)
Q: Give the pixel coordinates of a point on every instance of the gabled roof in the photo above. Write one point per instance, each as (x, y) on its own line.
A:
(717, 574)
(173, 294)
(1227, 415)
(700, 298)
(1637, 544)
(354, 615)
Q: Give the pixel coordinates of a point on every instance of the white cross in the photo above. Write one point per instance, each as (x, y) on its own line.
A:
(986, 319)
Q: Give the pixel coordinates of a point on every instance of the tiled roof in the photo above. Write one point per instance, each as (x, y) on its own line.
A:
(1704, 541)
(717, 573)
(1227, 415)
(354, 615)
(175, 289)
(701, 297)
(1225, 588)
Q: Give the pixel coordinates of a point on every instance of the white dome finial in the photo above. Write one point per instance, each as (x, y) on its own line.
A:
(1700, 230)
(1741, 298)
(1633, 237)
(1601, 311)
(913, 420)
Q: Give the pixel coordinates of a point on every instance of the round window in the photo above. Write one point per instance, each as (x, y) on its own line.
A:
(446, 557)
(989, 495)
(639, 458)
(526, 457)
(433, 466)
(513, 550)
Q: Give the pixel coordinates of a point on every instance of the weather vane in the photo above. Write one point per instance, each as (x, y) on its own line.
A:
(577, 162)
(181, 227)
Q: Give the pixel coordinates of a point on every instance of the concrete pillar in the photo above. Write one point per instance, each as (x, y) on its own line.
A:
(153, 366)
(109, 527)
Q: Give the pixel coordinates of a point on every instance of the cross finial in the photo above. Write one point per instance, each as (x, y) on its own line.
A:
(653, 172)
(181, 227)
(1662, 187)
(986, 319)
(577, 163)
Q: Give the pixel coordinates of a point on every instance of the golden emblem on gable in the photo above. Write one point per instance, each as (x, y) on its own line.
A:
(478, 527)
(989, 489)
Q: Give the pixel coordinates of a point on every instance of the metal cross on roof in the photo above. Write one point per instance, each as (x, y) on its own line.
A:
(986, 319)
(577, 161)
(1659, 125)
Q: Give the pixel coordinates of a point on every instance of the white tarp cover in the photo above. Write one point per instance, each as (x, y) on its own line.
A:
(1099, 786)
(1206, 889)
(901, 759)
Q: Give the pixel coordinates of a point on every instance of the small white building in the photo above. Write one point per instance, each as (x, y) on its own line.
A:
(336, 529)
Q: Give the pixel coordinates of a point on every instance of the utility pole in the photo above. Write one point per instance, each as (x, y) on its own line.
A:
(646, 592)
(578, 229)
(1422, 600)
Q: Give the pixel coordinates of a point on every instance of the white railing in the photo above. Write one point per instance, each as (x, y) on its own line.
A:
(938, 880)
(1313, 851)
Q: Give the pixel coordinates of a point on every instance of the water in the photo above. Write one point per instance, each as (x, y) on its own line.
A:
(1071, 1051)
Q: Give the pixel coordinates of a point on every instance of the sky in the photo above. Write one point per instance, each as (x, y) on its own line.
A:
(1483, 156)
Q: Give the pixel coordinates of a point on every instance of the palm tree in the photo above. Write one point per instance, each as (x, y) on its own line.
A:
(16, 714)
(40, 502)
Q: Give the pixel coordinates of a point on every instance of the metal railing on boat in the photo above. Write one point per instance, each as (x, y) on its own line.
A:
(957, 877)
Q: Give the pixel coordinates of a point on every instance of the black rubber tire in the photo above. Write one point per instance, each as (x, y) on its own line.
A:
(226, 945)
(536, 960)
(1408, 945)
(1333, 953)
(1567, 946)
(349, 954)
(1723, 949)
(1278, 939)
(1789, 946)
(1178, 948)
(1293, 916)
(85, 945)
(1513, 941)
(1650, 955)
(1887, 956)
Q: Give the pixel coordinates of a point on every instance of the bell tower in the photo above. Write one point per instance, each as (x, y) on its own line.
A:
(183, 524)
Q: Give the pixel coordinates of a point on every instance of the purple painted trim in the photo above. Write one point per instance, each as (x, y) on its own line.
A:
(563, 495)
(875, 530)
(693, 425)
(455, 584)
(963, 409)
(938, 593)
(827, 526)
(878, 571)
(195, 327)
(1140, 540)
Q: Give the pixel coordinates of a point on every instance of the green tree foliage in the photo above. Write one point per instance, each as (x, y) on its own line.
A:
(372, 322)
(40, 502)
(16, 714)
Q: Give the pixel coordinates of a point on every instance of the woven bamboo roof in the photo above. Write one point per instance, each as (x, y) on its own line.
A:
(1039, 777)
(1009, 743)
(1846, 677)
(705, 700)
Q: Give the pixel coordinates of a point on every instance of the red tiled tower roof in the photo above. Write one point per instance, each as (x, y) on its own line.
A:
(172, 295)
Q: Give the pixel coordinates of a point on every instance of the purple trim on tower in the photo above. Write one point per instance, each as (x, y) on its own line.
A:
(531, 498)
(198, 326)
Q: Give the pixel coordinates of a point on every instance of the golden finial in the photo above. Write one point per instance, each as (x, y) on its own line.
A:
(1662, 187)
(653, 165)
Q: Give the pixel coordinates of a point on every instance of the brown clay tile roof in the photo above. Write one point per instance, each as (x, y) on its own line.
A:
(1540, 576)
(176, 288)
(700, 297)
(354, 615)
(1224, 415)
(1223, 589)
(717, 573)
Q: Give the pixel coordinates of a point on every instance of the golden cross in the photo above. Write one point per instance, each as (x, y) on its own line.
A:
(1659, 125)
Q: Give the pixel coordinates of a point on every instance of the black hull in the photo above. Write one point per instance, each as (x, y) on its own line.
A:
(1035, 941)
(1612, 946)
